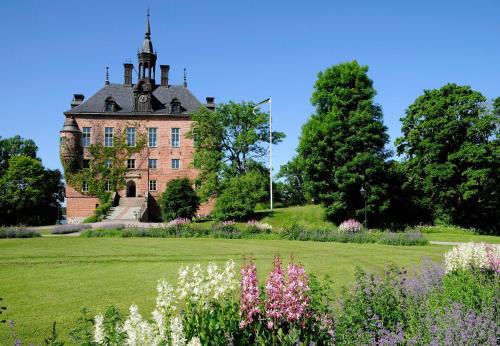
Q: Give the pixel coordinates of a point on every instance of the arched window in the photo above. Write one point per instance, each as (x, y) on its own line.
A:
(175, 107)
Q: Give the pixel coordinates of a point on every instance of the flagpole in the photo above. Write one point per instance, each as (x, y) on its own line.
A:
(271, 151)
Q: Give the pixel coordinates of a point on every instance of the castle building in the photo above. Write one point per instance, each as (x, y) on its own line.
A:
(161, 110)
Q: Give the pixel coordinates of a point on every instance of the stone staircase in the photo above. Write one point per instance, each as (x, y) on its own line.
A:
(128, 208)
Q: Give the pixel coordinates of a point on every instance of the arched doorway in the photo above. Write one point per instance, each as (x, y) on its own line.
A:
(130, 188)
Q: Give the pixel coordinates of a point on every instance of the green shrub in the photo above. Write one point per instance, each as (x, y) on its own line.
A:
(404, 238)
(96, 233)
(18, 232)
(179, 200)
(226, 229)
(239, 198)
(66, 229)
(91, 219)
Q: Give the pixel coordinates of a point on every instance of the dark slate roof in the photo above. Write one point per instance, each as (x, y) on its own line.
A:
(124, 98)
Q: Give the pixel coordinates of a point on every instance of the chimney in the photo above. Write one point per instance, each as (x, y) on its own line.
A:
(77, 100)
(210, 103)
(164, 75)
(128, 74)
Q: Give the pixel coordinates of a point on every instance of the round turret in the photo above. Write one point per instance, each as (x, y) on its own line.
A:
(70, 145)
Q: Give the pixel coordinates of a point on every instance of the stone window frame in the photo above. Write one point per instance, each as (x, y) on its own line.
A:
(153, 185)
(175, 137)
(108, 136)
(155, 165)
(86, 136)
(155, 134)
(176, 163)
(130, 163)
(131, 132)
(85, 187)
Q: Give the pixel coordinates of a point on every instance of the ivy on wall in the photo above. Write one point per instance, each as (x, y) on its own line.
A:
(105, 163)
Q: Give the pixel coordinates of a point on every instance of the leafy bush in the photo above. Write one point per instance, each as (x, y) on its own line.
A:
(238, 199)
(96, 233)
(91, 219)
(65, 229)
(225, 229)
(18, 232)
(406, 238)
(179, 200)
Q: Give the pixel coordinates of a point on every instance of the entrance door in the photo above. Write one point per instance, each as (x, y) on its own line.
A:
(130, 188)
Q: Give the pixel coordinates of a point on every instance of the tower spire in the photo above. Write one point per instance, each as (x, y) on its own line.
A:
(107, 76)
(185, 79)
(148, 29)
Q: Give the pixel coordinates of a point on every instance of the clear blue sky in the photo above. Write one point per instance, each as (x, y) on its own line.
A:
(240, 50)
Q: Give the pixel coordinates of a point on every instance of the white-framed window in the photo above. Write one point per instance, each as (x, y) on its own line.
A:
(176, 137)
(85, 187)
(153, 163)
(108, 163)
(86, 136)
(153, 138)
(176, 163)
(131, 163)
(108, 186)
(108, 136)
(131, 136)
(152, 185)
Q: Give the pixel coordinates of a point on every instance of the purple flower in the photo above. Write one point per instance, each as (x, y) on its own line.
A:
(249, 300)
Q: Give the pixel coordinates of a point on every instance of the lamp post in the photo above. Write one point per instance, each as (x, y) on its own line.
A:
(363, 193)
(270, 146)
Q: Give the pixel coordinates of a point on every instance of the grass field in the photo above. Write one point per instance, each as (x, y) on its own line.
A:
(50, 278)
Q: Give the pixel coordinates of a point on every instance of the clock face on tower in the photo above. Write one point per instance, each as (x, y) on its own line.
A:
(143, 98)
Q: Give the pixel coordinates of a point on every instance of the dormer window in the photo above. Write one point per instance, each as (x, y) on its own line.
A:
(175, 107)
(110, 105)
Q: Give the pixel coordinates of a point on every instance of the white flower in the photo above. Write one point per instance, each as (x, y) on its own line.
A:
(166, 299)
(160, 323)
(99, 333)
(194, 342)
(177, 332)
(471, 255)
(139, 332)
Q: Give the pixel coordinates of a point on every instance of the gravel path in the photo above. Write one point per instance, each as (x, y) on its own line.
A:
(445, 242)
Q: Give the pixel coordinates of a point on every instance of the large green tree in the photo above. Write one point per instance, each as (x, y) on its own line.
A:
(451, 149)
(342, 146)
(29, 193)
(179, 200)
(291, 186)
(231, 141)
(15, 146)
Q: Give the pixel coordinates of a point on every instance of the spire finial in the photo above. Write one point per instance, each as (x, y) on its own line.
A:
(148, 29)
(185, 79)
(107, 76)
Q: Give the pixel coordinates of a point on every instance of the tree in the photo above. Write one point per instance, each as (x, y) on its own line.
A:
(239, 197)
(451, 149)
(342, 146)
(230, 141)
(29, 193)
(291, 184)
(15, 146)
(179, 200)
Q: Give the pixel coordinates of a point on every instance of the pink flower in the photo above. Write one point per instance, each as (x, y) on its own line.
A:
(249, 300)
(275, 287)
(296, 297)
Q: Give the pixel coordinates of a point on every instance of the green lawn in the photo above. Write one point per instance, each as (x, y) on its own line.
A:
(50, 278)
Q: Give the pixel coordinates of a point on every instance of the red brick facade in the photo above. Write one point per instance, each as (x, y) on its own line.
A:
(80, 206)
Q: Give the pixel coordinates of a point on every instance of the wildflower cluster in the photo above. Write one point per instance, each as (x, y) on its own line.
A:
(178, 222)
(256, 227)
(198, 290)
(473, 256)
(350, 226)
